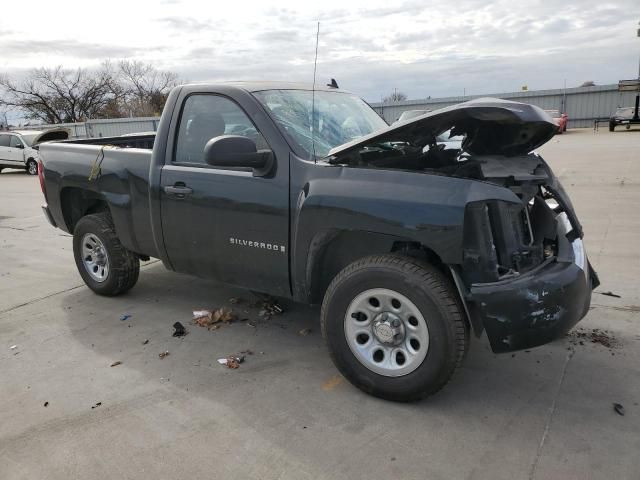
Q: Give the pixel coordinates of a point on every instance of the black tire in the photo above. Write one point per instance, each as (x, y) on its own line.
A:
(612, 127)
(124, 265)
(436, 299)
(32, 167)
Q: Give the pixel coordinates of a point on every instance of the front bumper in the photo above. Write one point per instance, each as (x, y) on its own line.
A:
(539, 306)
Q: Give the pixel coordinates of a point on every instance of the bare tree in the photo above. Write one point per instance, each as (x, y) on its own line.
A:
(395, 96)
(57, 95)
(146, 88)
(4, 121)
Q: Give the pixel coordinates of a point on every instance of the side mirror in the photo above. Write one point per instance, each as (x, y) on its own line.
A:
(20, 146)
(236, 151)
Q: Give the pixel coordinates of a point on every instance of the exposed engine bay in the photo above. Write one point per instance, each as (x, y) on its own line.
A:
(487, 140)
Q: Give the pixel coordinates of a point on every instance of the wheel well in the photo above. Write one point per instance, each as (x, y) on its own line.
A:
(342, 248)
(77, 202)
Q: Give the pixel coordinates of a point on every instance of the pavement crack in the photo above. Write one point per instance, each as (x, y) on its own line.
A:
(35, 300)
(14, 228)
(30, 302)
(552, 411)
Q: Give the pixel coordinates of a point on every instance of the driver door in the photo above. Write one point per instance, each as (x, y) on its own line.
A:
(224, 223)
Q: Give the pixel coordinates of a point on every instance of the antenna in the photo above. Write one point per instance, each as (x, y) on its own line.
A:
(313, 97)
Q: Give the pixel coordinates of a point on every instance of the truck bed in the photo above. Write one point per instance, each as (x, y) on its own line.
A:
(120, 181)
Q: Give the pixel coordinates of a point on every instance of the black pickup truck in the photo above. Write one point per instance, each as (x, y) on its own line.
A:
(409, 244)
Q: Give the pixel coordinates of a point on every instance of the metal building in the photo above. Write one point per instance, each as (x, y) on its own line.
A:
(582, 104)
(111, 127)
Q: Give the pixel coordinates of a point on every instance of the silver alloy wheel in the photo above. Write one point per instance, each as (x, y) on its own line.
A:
(95, 258)
(386, 332)
(32, 167)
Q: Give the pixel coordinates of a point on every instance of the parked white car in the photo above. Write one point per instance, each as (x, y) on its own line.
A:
(19, 148)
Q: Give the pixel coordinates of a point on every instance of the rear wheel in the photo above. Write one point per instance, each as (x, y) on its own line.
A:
(394, 327)
(104, 264)
(612, 127)
(32, 167)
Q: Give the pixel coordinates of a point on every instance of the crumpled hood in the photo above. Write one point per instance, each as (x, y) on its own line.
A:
(492, 126)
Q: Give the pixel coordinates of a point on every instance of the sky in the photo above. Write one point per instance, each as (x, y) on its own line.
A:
(371, 47)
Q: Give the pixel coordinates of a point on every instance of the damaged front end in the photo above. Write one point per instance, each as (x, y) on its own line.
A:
(524, 275)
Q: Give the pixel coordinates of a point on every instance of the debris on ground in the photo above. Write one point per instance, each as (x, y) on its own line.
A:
(610, 294)
(46, 404)
(115, 364)
(246, 352)
(232, 361)
(305, 331)
(269, 308)
(124, 317)
(13, 347)
(96, 405)
(211, 318)
(145, 341)
(180, 331)
(164, 354)
(619, 409)
(268, 305)
(594, 335)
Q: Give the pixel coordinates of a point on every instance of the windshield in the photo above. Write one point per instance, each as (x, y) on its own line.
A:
(28, 138)
(338, 118)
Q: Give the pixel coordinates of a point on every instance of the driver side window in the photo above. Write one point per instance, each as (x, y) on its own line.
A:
(205, 116)
(15, 142)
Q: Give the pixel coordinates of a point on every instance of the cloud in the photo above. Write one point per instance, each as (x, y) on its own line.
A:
(70, 48)
(185, 24)
(370, 46)
(278, 36)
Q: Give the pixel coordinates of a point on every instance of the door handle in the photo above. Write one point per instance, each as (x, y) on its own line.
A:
(178, 191)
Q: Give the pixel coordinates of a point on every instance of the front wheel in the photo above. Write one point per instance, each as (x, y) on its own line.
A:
(394, 327)
(104, 264)
(32, 167)
(612, 127)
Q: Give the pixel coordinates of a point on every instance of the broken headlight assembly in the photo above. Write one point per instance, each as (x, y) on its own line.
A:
(503, 239)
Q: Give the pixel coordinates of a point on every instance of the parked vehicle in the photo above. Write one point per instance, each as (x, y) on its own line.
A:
(561, 119)
(624, 116)
(311, 196)
(19, 148)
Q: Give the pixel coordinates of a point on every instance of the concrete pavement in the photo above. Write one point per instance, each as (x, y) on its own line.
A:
(286, 413)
